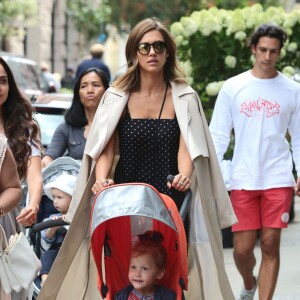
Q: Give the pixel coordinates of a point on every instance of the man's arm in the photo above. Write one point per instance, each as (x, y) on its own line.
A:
(294, 132)
(221, 124)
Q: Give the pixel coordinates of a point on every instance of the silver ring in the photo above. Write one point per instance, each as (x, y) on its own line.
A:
(180, 183)
(106, 181)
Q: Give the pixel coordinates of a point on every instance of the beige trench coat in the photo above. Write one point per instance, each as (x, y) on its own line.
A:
(73, 273)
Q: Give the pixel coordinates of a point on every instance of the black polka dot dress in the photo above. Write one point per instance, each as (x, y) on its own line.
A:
(148, 153)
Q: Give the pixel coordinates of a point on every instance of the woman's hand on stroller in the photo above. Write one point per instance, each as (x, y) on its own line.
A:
(27, 215)
(101, 183)
(180, 183)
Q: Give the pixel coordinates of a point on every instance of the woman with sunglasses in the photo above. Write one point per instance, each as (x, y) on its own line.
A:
(160, 126)
(149, 109)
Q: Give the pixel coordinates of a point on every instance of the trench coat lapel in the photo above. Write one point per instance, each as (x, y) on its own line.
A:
(181, 109)
(186, 104)
(105, 121)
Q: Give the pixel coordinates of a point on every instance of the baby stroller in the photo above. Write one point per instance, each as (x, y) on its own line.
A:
(122, 212)
(62, 165)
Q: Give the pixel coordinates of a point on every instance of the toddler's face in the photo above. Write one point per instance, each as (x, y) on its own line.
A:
(61, 200)
(143, 274)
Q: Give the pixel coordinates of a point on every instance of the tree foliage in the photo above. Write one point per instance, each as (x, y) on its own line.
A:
(212, 44)
(233, 4)
(14, 14)
(89, 16)
(130, 12)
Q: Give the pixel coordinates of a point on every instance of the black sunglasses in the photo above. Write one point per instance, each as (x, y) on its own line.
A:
(144, 48)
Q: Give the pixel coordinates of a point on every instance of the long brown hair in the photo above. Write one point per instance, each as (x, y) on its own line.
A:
(20, 127)
(130, 81)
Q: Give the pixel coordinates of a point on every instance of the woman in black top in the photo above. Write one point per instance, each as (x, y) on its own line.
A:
(150, 142)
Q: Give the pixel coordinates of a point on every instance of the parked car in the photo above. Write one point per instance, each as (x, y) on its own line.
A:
(49, 114)
(27, 74)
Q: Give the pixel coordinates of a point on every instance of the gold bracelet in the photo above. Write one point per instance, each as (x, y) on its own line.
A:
(1, 211)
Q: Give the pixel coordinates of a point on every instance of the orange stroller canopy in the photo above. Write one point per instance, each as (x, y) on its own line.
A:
(122, 212)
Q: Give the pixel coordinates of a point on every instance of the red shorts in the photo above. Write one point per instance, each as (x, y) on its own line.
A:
(261, 208)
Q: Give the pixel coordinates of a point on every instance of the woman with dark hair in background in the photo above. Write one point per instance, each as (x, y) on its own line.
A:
(70, 136)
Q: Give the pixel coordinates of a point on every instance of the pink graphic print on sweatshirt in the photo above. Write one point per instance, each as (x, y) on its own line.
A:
(260, 107)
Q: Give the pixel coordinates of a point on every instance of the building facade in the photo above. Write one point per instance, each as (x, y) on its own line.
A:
(54, 40)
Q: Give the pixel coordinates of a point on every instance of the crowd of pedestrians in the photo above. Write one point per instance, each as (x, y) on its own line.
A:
(152, 120)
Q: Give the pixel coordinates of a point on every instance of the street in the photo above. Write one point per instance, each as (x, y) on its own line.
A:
(288, 285)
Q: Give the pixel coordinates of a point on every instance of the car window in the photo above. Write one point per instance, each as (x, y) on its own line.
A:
(32, 77)
(48, 119)
(25, 74)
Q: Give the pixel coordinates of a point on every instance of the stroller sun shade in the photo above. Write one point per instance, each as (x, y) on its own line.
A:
(119, 214)
(129, 200)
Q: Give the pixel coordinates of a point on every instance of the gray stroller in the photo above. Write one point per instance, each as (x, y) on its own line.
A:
(62, 165)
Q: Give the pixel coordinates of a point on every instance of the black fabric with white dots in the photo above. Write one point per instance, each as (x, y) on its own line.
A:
(148, 153)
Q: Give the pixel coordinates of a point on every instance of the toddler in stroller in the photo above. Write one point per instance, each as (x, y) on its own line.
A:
(120, 214)
(147, 265)
(60, 191)
(62, 166)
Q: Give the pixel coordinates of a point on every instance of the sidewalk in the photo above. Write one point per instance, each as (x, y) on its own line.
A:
(288, 284)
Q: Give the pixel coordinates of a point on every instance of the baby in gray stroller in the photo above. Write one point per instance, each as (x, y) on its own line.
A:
(59, 179)
(60, 191)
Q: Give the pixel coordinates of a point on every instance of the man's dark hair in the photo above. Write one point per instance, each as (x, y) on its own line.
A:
(270, 31)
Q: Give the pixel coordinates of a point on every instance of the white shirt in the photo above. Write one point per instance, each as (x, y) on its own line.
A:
(35, 151)
(260, 111)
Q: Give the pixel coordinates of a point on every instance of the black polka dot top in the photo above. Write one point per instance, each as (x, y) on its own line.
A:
(148, 153)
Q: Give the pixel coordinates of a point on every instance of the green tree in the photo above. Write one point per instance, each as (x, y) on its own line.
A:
(212, 45)
(89, 16)
(15, 15)
(129, 13)
(233, 4)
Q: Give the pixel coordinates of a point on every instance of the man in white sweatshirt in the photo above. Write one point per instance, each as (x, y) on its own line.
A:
(261, 105)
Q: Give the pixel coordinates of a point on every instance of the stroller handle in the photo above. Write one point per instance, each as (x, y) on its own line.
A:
(48, 224)
(186, 202)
